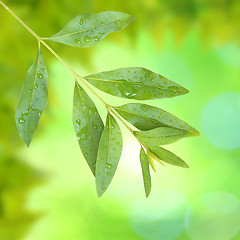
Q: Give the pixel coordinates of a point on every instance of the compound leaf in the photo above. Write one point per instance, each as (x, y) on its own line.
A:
(145, 117)
(88, 125)
(135, 83)
(33, 99)
(167, 156)
(160, 136)
(109, 153)
(86, 30)
(145, 172)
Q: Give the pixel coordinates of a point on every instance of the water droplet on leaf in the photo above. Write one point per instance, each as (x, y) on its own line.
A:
(39, 75)
(78, 122)
(21, 120)
(87, 39)
(143, 108)
(149, 76)
(77, 41)
(96, 38)
(109, 165)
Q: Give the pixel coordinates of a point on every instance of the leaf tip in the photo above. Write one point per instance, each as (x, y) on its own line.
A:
(133, 18)
(185, 91)
(185, 165)
(193, 133)
(100, 192)
(147, 193)
(27, 142)
(196, 133)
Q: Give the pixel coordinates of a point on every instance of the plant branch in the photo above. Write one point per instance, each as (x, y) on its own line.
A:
(76, 76)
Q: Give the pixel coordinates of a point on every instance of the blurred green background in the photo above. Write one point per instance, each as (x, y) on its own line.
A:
(47, 191)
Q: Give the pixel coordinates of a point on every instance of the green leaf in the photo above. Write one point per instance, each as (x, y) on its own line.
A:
(160, 136)
(33, 99)
(88, 125)
(145, 117)
(145, 172)
(86, 30)
(167, 156)
(151, 162)
(135, 83)
(109, 153)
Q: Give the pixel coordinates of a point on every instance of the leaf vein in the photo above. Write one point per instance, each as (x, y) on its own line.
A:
(134, 83)
(35, 79)
(87, 29)
(85, 113)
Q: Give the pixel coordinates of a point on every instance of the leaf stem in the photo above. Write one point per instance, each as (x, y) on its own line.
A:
(76, 76)
(85, 83)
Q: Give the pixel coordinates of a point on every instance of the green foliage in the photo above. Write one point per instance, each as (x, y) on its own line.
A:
(33, 99)
(160, 136)
(136, 83)
(87, 30)
(145, 172)
(102, 146)
(146, 117)
(88, 125)
(109, 153)
(167, 156)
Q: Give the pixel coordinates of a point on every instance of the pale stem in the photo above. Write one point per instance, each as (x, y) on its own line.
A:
(77, 76)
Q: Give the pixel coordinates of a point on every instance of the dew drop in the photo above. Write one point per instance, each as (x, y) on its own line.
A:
(149, 76)
(39, 75)
(77, 41)
(35, 86)
(109, 165)
(104, 189)
(118, 22)
(113, 139)
(87, 39)
(81, 21)
(25, 113)
(108, 174)
(143, 108)
(86, 154)
(21, 120)
(78, 122)
(96, 38)
(43, 85)
(130, 95)
(118, 143)
(100, 34)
